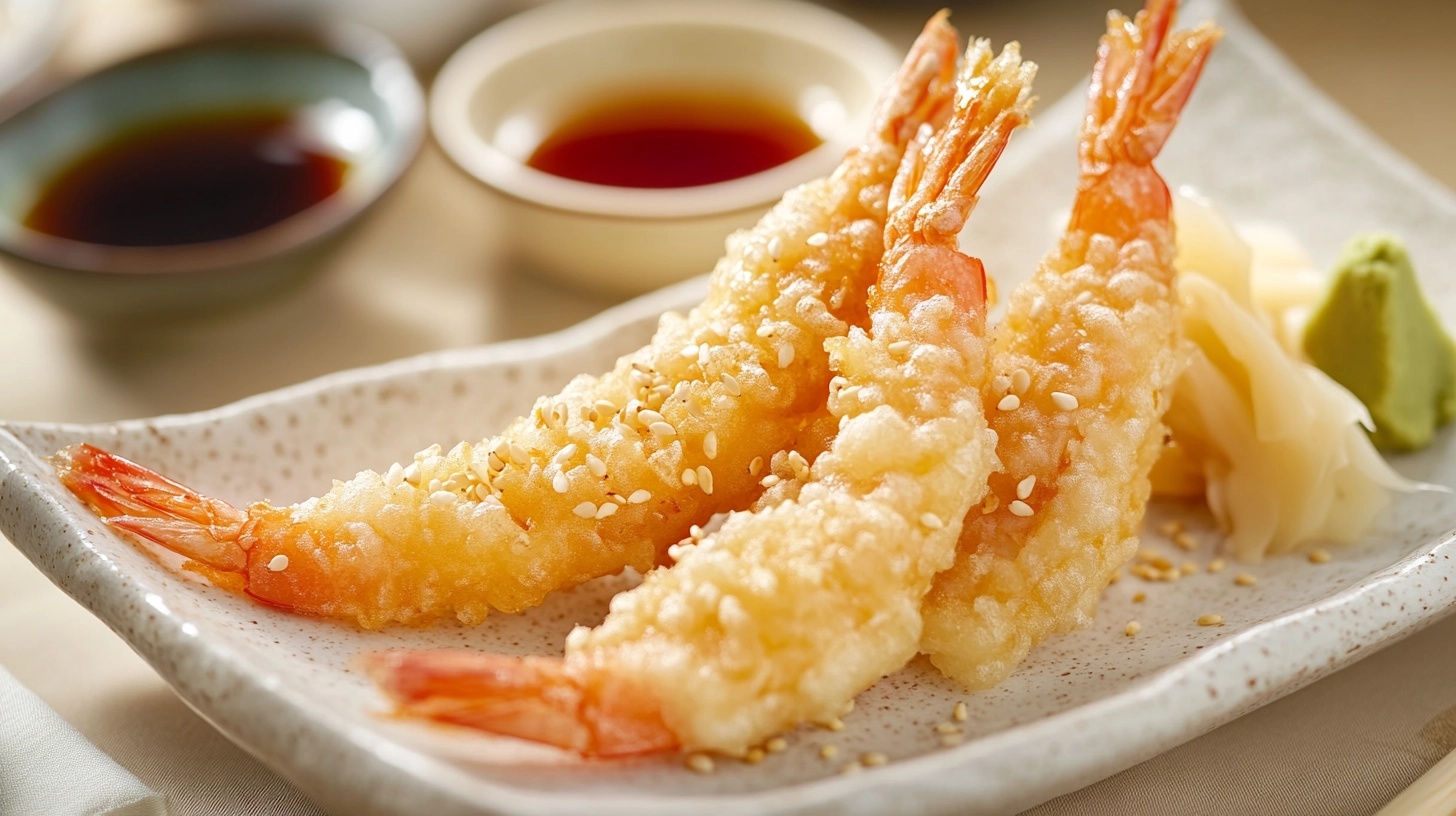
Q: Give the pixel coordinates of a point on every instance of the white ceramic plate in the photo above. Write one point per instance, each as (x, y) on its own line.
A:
(1257, 138)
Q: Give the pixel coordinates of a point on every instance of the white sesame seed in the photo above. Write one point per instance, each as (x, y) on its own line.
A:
(606, 509)
(931, 521)
(442, 498)
(597, 467)
(730, 384)
(1210, 620)
(755, 466)
(639, 497)
(695, 409)
(776, 248)
(1025, 486)
(494, 462)
(828, 751)
(689, 477)
(1010, 402)
(818, 239)
(565, 454)
(412, 473)
(705, 479)
(960, 712)
(948, 728)
(898, 347)
(710, 444)
(1245, 579)
(769, 480)
(700, 763)
(689, 351)
(605, 407)
(1216, 565)
(1132, 628)
(1020, 381)
(1064, 401)
(1319, 556)
(585, 510)
(850, 392)
(952, 740)
(1021, 508)
(434, 485)
(617, 497)
(662, 429)
(873, 759)
(777, 745)
(786, 355)
(766, 330)
(559, 482)
(851, 769)
(647, 417)
(695, 532)
(394, 476)
(278, 563)
(519, 455)
(753, 756)
(834, 724)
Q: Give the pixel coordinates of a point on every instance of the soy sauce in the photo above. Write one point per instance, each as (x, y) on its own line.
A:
(188, 181)
(664, 140)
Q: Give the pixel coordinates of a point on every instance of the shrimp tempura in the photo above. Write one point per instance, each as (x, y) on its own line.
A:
(784, 614)
(1084, 363)
(605, 475)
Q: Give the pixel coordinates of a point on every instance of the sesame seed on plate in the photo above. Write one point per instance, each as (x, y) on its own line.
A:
(948, 728)
(834, 724)
(559, 482)
(828, 751)
(585, 510)
(1020, 508)
(1132, 628)
(1216, 565)
(1064, 401)
(952, 740)
(753, 756)
(1010, 402)
(818, 239)
(1139, 597)
(1025, 486)
(278, 563)
(700, 763)
(873, 759)
(851, 769)
(1210, 620)
(777, 745)
(1319, 556)
(960, 712)
(1245, 579)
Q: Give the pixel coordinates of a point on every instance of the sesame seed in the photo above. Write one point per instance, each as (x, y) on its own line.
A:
(689, 477)
(960, 712)
(755, 466)
(828, 751)
(1064, 401)
(1188, 568)
(1319, 556)
(606, 509)
(597, 467)
(434, 485)
(777, 745)
(1132, 628)
(818, 239)
(442, 498)
(700, 763)
(559, 482)
(766, 330)
(689, 351)
(786, 355)
(565, 453)
(730, 384)
(770, 480)
(1010, 402)
(1139, 597)
(851, 769)
(695, 532)
(1020, 508)
(952, 740)
(849, 392)
(835, 724)
(1171, 528)
(495, 463)
(278, 563)
(931, 521)
(898, 347)
(585, 510)
(776, 248)
(710, 445)
(662, 429)
(618, 498)
(1020, 381)
(519, 455)
(705, 479)
(412, 473)
(1245, 579)
(1184, 541)
(605, 407)
(394, 476)
(695, 409)
(873, 759)
(1025, 486)
(639, 497)
(1210, 620)
(753, 756)
(1216, 565)
(649, 417)
(948, 728)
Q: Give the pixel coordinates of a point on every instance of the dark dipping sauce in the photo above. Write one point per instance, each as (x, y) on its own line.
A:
(661, 141)
(188, 181)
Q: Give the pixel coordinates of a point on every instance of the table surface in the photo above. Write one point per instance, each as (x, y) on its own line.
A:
(429, 271)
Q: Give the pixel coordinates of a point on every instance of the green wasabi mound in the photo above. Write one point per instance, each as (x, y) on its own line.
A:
(1376, 335)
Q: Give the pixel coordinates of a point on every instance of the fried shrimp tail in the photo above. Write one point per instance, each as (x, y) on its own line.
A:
(1083, 367)
(785, 613)
(607, 474)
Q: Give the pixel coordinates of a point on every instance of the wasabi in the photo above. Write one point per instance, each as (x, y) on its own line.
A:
(1376, 335)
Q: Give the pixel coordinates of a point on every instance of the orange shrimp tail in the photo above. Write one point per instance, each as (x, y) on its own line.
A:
(133, 498)
(923, 85)
(1142, 80)
(530, 698)
(939, 181)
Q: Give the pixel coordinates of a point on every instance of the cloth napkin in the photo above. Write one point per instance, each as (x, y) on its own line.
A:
(48, 769)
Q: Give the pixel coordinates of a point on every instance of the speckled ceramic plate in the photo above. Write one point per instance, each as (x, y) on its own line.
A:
(1257, 138)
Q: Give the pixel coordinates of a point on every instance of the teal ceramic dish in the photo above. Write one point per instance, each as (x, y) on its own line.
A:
(351, 86)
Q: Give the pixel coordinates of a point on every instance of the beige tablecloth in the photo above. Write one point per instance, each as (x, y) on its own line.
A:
(427, 272)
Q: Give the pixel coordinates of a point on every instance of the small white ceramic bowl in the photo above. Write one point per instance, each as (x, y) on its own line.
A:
(501, 95)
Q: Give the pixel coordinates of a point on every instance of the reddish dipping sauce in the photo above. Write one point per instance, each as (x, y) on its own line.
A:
(187, 181)
(661, 141)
